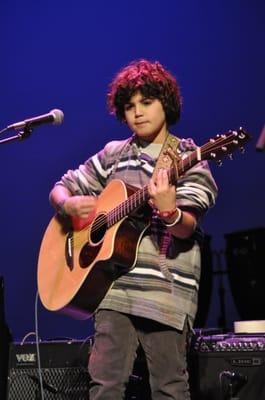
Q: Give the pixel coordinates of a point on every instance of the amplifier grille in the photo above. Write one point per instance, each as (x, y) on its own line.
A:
(58, 383)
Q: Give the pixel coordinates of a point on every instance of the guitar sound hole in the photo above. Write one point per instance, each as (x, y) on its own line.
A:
(98, 229)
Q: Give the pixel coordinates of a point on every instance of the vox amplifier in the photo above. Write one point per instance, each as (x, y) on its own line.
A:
(63, 370)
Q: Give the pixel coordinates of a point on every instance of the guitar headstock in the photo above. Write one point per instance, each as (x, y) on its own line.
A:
(226, 144)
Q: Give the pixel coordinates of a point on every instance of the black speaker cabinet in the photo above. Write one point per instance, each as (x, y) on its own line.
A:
(228, 367)
(246, 271)
(63, 370)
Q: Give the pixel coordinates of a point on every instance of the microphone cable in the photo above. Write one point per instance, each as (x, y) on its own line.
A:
(38, 347)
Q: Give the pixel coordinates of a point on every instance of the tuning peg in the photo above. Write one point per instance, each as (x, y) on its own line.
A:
(219, 163)
(242, 150)
(224, 148)
(230, 156)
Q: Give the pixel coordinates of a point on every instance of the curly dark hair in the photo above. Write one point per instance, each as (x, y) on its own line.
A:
(153, 81)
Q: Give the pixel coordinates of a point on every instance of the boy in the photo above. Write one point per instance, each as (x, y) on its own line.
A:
(155, 303)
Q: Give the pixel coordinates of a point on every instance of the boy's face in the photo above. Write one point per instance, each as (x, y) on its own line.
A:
(146, 118)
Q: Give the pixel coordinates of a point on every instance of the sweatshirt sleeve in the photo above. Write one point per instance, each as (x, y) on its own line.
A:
(196, 189)
(91, 177)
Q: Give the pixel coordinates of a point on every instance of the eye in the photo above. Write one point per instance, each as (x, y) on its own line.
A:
(127, 107)
(148, 101)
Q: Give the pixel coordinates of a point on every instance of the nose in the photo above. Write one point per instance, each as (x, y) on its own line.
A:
(138, 110)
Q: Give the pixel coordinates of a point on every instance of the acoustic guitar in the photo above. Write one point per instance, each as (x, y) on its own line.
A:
(79, 259)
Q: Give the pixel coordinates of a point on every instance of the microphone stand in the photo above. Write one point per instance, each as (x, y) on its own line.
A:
(24, 134)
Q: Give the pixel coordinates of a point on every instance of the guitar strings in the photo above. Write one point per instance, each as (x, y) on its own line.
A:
(118, 211)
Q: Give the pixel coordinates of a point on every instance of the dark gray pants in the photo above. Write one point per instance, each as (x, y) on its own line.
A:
(117, 337)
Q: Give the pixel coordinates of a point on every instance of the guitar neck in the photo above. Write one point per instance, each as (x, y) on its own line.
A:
(141, 196)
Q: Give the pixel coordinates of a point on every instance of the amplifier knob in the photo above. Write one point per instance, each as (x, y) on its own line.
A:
(235, 346)
(260, 346)
(223, 346)
(204, 347)
(246, 346)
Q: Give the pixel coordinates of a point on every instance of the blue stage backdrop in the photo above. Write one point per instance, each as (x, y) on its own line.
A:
(59, 54)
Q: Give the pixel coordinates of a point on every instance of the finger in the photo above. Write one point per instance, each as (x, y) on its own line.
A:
(88, 203)
(166, 178)
(162, 180)
(151, 203)
(151, 187)
(159, 177)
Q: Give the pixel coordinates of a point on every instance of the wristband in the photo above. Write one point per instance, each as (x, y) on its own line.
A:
(177, 220)
(166, 214)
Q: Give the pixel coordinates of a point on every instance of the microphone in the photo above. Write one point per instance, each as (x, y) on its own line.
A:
(260, 145)
(53, 117)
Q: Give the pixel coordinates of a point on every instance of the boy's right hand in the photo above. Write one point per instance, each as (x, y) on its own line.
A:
(80, 206)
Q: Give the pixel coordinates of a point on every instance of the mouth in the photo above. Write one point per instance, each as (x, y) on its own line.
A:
(140, 123)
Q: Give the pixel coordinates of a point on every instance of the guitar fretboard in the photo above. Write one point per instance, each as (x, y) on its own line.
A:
(128, 206)
(138, 198)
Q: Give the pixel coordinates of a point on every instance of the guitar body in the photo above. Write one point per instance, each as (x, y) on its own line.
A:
(78, 265)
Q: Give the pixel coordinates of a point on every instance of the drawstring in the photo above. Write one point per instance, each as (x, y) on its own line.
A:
(162, 260)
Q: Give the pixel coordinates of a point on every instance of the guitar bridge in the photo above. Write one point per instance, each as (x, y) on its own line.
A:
(69, 251)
